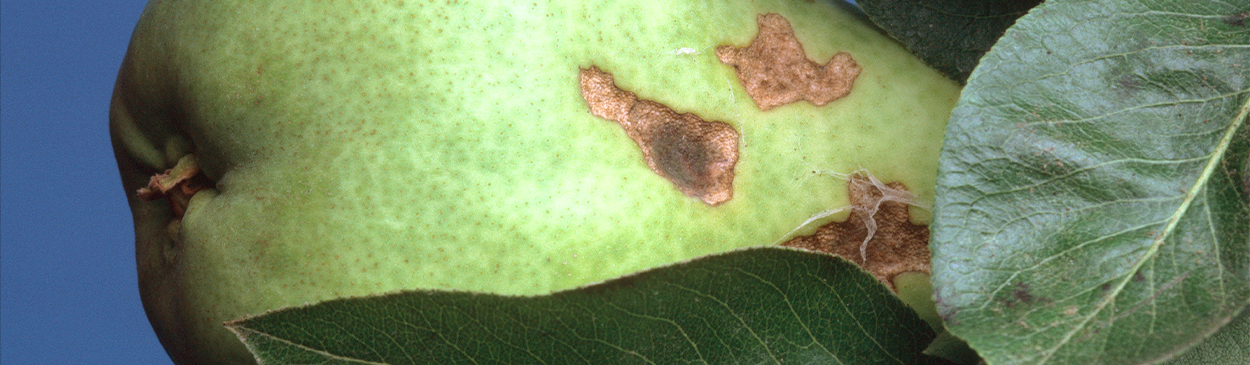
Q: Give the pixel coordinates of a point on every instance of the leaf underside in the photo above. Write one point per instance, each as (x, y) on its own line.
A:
(1229, 346)
(1093, 200)
(755, 306)
(950, 35)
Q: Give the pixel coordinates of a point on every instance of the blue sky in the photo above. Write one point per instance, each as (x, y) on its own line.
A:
(68, 288)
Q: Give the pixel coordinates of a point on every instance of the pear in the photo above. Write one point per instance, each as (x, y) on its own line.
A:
(278, 153)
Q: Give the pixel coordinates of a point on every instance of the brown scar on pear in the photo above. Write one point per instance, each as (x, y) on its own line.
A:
(896, 245)
(695, 155)
(775, 70)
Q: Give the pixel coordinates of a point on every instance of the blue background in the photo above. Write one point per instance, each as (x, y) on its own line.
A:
(68, 288)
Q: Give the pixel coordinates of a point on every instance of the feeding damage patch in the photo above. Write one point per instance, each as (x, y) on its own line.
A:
(878, 235)
(695, 155)
(775, 70)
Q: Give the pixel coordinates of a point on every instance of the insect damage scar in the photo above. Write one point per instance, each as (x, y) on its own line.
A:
(775, 70)
(695, 155)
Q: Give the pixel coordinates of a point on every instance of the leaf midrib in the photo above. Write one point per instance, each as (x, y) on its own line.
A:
(328, 355)
(1213, 162)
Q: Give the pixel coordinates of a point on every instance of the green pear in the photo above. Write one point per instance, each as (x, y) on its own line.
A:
(342, 148)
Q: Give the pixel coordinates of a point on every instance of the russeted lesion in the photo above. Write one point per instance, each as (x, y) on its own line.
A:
(774, 68)
(695, 155)
(878, 235)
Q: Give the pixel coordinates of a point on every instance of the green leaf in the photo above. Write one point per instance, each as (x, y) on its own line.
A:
(950, 348)
(950, 35)
(1229, 346)
(1092, 204)
(756, 306)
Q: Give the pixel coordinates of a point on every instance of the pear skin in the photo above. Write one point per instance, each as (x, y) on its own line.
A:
(351, 148)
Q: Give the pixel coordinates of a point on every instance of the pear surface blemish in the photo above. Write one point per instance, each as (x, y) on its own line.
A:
(878, 235)
(696, 155)
(775, 70)
(355, 148)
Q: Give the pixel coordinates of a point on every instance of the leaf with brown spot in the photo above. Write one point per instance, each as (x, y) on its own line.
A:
(1097, 161)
